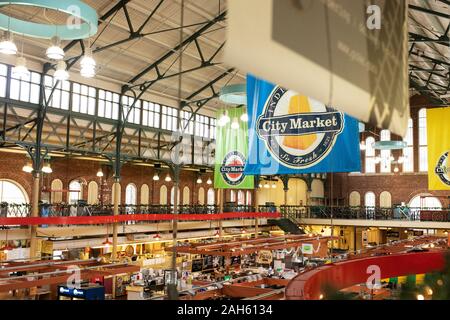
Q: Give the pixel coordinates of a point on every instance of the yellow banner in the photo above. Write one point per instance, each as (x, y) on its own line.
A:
(438, 127)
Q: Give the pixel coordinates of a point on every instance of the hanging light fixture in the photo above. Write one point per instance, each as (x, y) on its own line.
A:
(157, 236)
(260, 186)
(7, 45)
(244, 117)
(266, 185)
(199, 180)
(274, 186)
(107, 243)
(28, 167)
(156, 177)
(55, 52)
(396, 169)
(168, 178)
(61, 73)
(209, 181)
(217, 234)
(224, 119)
(7, 247)
(100, 173)
(235, 124)
(47, 169)
(20, 70)
(88, 64)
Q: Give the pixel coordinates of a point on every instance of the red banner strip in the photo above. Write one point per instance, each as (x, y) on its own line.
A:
(28, 221)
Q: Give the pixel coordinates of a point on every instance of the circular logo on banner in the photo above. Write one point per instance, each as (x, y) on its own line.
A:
(443, 168)
(232, 168)
(298, 131)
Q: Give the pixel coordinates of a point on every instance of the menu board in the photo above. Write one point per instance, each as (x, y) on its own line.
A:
(218, 261)
(197, 265)
(208, 263)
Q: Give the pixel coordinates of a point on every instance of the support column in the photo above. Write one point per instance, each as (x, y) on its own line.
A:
(35, 213)
(221, 202)
(256, 183)
(116, 190)
(172, 290)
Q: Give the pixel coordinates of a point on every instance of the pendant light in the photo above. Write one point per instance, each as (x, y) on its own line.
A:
(20, 70)
(224, 119)
(47, 169)
(199, 180)
(55, 52)
(28, 167)
(244, 117)
(217, 234)
(274, 186)
(157, 236)
(209, 181)
(235, 124)
(7, 247)
(100, 173)
(61, 73)
(156, 177)
(266, 185)
(168, 178)
(7, 45)
(88, 64)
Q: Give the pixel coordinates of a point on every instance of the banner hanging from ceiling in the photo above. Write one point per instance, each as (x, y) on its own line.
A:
(231, 150)
(291, 133)
(438, 130)
(356, 57)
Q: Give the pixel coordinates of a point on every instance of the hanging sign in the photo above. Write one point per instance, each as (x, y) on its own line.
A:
(438, 148)
(352, 54)
(307, 248)
(264, 257)
(291, 133)
(231, 152)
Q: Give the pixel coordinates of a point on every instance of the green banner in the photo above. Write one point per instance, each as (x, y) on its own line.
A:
(231, 150)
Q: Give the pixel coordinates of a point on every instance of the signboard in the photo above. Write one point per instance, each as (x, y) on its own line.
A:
(291, 133)
(235, 261)
(197, 265)
(231, 152)
(392, 234)
(346, 53)
(438, 148)
(264, 257)
(307, 248)
(208, 263)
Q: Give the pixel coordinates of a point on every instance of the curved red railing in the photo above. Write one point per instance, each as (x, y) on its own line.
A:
(341, 275)
(85, 220)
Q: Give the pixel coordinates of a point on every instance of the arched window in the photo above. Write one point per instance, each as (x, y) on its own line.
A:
(56, 196)
(172, 196)
(408, 152)
(12, 193)
(385, 167)
(92, 193)
(249, 198)
(369, 199)
(425, 201)
(369, 202)
(370, 155)
(385, 199)
(201, 196)
(354, 199)
(131, 194)
(186, 196)
(241, 197)
(423, 141)
(75, 192)
(317, 189)
(144, 194)
(211, 197)
(163, 195)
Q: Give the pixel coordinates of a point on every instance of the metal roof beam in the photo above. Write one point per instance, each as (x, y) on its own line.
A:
(429, 11)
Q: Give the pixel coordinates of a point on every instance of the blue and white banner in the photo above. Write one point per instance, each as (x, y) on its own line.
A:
(290, 133)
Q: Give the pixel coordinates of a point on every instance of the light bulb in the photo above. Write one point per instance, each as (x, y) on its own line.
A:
(155, 177)
(55, 52)
(20, 70)
(266, 185)
(168, 178)
(7, 45)
(420, 297)
(244, 117)
(274, 185)
(223, 120)
(199, 180)
(209, 181)
(61, 73)
(99, 173)
(396, 169)
(235, 125)
(260, 186)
